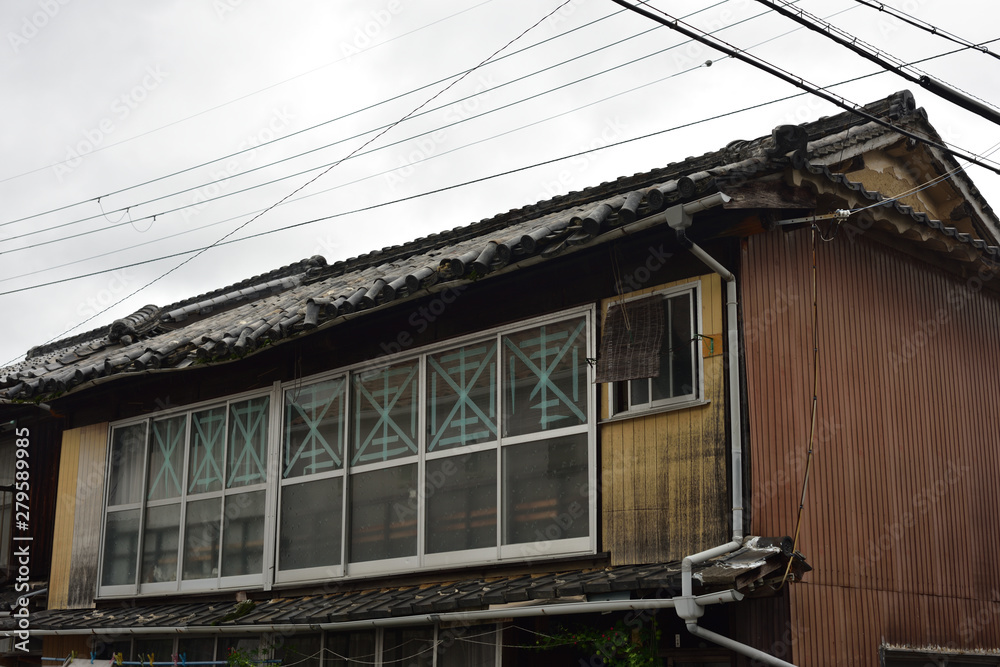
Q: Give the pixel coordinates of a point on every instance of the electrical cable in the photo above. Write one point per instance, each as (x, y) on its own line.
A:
(218, 222)
(315, 178)
(331, 120)
(927, 27)
(798, 82)
(356, 136)
(242, 97)
(454, 186)
(884, 59)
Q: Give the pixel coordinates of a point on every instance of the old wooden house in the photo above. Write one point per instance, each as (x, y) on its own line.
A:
(740, 408)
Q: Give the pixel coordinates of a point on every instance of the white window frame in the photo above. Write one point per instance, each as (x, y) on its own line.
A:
(551, 546)
(695, 398)
(218, 582)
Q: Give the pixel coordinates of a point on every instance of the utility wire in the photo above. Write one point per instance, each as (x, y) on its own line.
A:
(798, 82)
(312, 180)
(242, 97)
(331, 120)
(884, 59)
(359, 154)
(531, 166)
(928, 27)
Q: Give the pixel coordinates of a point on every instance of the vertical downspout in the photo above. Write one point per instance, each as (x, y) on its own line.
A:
(679, 218)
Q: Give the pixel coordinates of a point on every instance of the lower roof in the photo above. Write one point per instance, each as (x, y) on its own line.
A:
(758, 559)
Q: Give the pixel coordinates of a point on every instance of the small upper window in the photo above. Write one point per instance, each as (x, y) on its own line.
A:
(649, 350)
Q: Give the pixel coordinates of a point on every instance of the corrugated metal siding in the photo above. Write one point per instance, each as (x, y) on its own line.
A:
(664, 478)
(901, 517)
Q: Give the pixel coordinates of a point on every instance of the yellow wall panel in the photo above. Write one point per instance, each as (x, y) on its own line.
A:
(62, 534)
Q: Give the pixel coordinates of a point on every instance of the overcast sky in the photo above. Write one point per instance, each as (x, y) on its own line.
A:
(112, 112)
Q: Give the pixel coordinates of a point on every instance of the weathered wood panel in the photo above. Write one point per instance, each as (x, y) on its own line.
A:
(901, 515)
(87, 520)
(62, 533)
(665, 490)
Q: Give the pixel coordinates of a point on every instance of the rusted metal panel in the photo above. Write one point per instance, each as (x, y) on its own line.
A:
(900, 518)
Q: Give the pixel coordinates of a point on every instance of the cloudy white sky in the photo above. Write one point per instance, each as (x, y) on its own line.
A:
(113, 113)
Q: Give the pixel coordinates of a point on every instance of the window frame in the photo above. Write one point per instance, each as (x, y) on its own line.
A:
(275, 485)
(179, 584)
(619, 393)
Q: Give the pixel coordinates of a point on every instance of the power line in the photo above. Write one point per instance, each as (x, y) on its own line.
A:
(798, 82)
(457, 185)
(323, 123)
(928, 27)
(884, 59)
(242, 97)
(139, 245)
(124, 210)
(312, 180)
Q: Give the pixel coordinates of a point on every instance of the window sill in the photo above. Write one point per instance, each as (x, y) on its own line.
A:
(659, 409)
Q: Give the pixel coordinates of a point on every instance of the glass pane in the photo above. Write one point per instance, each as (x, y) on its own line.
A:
(384, 414)
(208, 436)
(545, 377)
(461, 494)
(128, 444)
(677, 355)
(463, 646)
(121, 548)
(546, 492)
(384, 514)
(201, 539)
(314, 428)
(311, 516)
(300, 650)
(413, 647)
(158, 650)
(247, 460)
(353, 648)
(196, 649)
(166, 458)
(159, 543)
(639, 390)
(243, 535)
(461, 396)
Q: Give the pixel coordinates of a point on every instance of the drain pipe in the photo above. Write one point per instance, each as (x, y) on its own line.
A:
(687, 606)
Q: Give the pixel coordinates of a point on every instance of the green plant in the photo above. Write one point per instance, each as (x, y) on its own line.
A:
(247, 657)
(622, 645)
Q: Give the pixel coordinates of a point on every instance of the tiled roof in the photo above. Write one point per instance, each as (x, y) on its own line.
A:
(291, 301)
(758, 558)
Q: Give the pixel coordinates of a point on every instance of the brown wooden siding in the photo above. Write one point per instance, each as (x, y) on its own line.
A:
(903, 511)
(664, 477)
(76, 539)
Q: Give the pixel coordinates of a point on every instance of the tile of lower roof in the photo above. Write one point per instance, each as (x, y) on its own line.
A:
(659, 580)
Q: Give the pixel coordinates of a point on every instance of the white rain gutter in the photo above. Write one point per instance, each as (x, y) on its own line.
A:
(687, 606)
(470, 617)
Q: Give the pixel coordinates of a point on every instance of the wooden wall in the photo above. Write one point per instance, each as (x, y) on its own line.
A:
(902, 515)
(664, 477)
(76, 539)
